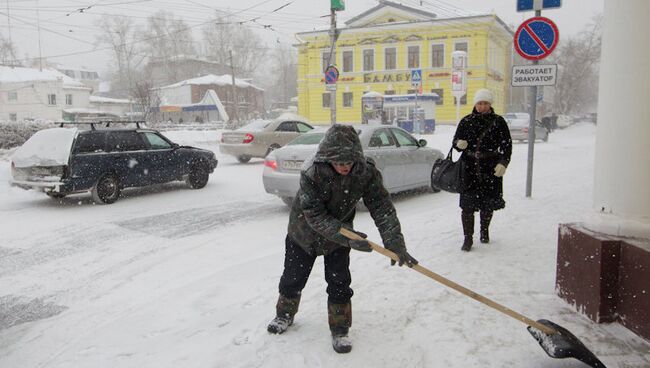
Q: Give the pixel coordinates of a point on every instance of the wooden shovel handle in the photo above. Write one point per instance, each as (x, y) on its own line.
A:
(461, 289)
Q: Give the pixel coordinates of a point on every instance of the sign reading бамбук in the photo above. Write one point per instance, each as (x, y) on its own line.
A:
(534, 75)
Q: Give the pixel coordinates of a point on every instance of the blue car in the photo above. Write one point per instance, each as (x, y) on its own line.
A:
(62, 161)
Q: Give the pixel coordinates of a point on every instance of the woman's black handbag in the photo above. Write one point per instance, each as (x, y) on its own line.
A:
(448, 174)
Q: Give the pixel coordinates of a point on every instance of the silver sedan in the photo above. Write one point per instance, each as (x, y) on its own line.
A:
(404, 162)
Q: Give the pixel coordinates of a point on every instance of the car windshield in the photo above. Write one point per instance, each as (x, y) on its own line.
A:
(256, 125)
(517, 123)
(307, 139)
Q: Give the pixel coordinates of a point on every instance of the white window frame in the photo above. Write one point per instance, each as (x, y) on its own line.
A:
(444, 54)
(396, 58)
(12, 96)
(51, 101)
(351, 99)
(363, 59)
(68, 102)
(342, 64)
(406, 59)
(322, 57)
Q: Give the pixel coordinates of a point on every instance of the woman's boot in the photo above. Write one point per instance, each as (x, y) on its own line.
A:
(486, 217)
(340, 320)
(467, 218)
(285, 309)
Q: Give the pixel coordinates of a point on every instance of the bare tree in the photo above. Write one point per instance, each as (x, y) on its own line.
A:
(7, 52)
(225, 35)
(120, 33)
(166, 39)
(578, 59)
(145, 97)
(286, 72)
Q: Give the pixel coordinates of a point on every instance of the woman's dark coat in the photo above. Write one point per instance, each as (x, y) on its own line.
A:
(484, 191)
(327, 200)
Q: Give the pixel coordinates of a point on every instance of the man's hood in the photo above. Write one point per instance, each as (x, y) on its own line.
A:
(341, 143)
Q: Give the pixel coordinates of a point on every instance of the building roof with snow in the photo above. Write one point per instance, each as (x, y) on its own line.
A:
(220, 80)
(19, 74)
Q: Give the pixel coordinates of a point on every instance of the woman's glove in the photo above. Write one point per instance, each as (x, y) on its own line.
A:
(461, 144)
(499, 170)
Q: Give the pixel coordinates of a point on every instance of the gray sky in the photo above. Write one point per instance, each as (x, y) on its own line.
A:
(69, 26)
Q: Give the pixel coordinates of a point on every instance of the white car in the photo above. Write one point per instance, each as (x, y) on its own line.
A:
(519, 123)
(404, 162)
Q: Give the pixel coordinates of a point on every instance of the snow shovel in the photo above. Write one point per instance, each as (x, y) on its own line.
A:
(556, 340)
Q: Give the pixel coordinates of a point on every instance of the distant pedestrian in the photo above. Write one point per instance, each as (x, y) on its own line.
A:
(484, 139)
(330, 189)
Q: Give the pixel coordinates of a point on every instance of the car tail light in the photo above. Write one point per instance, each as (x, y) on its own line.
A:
(524, 130)
(271, 163)
(222, 140)
(248, 138)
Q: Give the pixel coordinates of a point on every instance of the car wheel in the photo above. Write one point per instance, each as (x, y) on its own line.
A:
(434, 188)
(106, 190)
(55, 195)
(272, 148)
(198, 176)
(243, 158)
(287, 200)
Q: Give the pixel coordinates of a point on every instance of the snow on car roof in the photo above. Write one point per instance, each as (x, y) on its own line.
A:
(48, 147)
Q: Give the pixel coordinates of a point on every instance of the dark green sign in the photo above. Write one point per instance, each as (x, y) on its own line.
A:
(337, 4)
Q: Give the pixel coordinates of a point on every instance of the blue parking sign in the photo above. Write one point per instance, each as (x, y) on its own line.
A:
(528, 5)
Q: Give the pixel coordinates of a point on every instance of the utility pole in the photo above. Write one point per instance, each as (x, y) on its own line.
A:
(233, 91)
(332, 59)
(531, 130)
(38, 25)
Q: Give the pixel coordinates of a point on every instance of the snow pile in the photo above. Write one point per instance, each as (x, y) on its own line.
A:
(49, 147)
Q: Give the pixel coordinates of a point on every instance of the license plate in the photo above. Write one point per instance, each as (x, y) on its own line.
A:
(293, 165)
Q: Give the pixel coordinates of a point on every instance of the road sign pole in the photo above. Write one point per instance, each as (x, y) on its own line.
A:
(333, 61)
(531, 130)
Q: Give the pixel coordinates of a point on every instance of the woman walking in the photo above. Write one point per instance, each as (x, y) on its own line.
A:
(484, 139)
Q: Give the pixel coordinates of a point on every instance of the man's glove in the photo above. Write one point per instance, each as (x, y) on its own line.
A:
(461, 144)
(360, 245)
(499, 170)
(404, 257)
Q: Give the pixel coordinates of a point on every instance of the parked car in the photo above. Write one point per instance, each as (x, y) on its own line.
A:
(519, 122)
(61, 161)
(260, 137)
(405, 163)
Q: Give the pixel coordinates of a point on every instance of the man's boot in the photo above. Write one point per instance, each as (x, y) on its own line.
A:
(285, 309)
(340, 320)
(486, 217)
(467, 217)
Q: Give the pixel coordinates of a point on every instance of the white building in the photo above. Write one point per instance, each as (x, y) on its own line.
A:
(27, 93)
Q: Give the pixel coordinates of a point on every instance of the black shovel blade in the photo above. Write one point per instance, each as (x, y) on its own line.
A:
(564, 344)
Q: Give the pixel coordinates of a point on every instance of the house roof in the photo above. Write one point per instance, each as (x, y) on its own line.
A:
(420, 13)
(220, 80)
(20, 74)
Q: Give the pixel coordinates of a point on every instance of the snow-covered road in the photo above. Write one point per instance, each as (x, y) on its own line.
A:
(173, 277)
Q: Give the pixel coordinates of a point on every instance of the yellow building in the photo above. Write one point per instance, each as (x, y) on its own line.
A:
(377, 50)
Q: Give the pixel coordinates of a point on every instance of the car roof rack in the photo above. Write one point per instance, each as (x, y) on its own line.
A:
(102, 123)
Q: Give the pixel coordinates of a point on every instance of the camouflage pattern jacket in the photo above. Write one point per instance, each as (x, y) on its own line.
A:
(327, 200)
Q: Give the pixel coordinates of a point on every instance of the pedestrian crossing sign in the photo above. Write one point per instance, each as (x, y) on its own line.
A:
(416, 77)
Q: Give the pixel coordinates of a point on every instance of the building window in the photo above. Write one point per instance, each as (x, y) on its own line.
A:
(441, 94)
(13, 117)
(326, 60)
(388, 93)
(462, 46)
(326, 100)
(368, 60)
(437, 56)
(390, 58)
(51, 99)
(12, 96)
(348, 61)
(68, 99)
(411, 91)
(463, 100)
(347, 99)
(413, 57)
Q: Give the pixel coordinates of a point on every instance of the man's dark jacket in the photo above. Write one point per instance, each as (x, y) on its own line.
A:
(327, 200)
